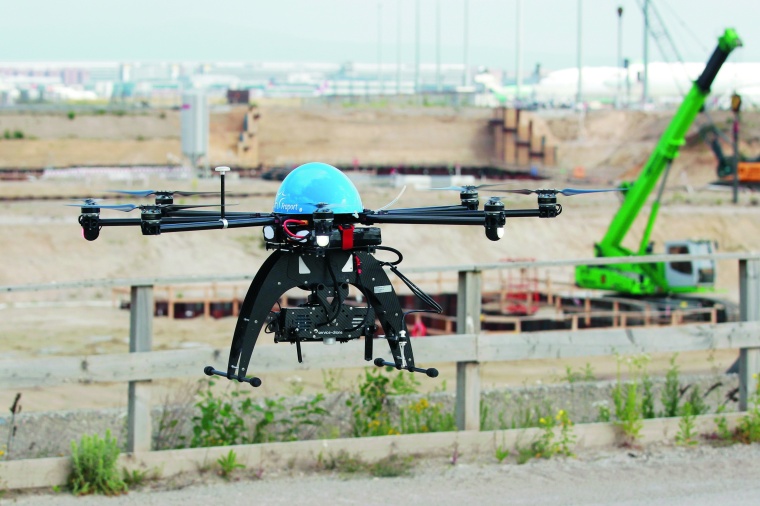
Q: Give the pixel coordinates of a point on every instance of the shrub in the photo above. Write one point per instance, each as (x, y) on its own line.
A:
(93, 463)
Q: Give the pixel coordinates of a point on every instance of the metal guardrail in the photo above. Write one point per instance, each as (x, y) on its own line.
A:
(467, 350)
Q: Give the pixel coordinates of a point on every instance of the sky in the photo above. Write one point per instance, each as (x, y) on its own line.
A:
(337, 31)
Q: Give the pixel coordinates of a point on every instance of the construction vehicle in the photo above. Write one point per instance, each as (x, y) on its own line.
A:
(683, 276)
(748, 169)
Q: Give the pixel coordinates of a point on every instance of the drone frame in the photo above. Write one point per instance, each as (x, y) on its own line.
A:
(322, 252)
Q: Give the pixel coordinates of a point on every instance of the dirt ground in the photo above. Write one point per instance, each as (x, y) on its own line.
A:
(41, 241)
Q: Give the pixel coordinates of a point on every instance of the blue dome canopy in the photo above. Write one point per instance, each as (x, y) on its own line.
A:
(317, 183)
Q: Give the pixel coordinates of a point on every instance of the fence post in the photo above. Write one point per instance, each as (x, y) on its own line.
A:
(139, 433)
(469, 299)
(749, 305)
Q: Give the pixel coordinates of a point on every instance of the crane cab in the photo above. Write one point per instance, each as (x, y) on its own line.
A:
(690, 273)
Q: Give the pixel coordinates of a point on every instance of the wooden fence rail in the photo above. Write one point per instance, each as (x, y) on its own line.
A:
(468, 350)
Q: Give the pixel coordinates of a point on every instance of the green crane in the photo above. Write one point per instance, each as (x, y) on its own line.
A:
(658, 277)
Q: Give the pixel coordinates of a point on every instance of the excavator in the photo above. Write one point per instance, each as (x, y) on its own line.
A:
(748, 169)
(659, 278)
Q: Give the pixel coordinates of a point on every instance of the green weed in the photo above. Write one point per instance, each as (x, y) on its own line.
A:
(231, 419)
(341, 462)
(308, 414)
(603, 412)
(370, 409)
(671, 392)
(391, 466)
(501, 453)
(585, 374)
(332, 378)
(748, 429)
(628, 401)
(228, 464)
(549, 443)
(686, 426)
(422, 416)
(135, 477)
(93, 463)
(524, 416)
(722, 432)
(222, 419)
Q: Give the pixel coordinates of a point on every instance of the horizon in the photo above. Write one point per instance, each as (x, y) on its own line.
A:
(338, 31)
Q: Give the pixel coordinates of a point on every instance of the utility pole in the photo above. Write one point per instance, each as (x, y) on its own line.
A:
(619, 62)
(579, 96)
(438, 83)
(380, 48)
(518, 71)
(398, 47)
(645, 87)
(466, 72)
(417, 49)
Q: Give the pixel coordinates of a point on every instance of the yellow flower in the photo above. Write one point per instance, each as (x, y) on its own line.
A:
(542, 421)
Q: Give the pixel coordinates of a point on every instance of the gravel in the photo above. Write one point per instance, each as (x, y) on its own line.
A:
(653, 476)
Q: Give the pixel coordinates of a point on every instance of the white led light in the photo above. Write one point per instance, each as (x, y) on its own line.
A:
(323, 240)
(268, 233)
(500, 232)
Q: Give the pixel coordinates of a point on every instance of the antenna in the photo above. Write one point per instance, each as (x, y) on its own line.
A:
(221, 171)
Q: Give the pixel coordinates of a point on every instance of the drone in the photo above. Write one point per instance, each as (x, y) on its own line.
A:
(323, 241)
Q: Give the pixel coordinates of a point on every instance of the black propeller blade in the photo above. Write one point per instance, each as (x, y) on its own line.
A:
(147, 193)
(568, 192)
(131, 207)
(466, 188)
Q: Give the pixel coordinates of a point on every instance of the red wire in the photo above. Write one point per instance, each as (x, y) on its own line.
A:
(295, 222)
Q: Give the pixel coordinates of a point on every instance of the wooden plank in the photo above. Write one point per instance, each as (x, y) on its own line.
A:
(469, 308)
(121, 367)
(495, 347)
(585, 343)
(138, 392)
(467, 409)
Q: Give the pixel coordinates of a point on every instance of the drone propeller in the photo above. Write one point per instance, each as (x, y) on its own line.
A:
(568, 192)
(147, 193)
(466, 188)
(83, 203)
(131, 207)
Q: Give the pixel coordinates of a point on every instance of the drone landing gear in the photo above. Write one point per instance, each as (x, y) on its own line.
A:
(430, 372)
(401, 349)
(324, 317)
(210, 371)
